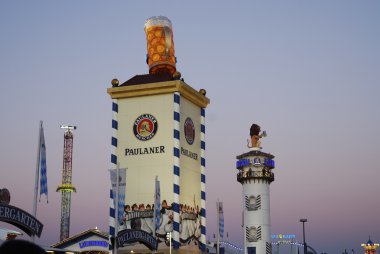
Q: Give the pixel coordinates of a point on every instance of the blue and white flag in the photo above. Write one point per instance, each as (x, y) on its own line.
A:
(221, 219)
(121, 192)
(42, 165)
(157, 204)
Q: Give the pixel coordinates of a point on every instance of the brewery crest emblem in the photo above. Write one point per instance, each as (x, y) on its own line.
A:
(145, 127)
(189, 131)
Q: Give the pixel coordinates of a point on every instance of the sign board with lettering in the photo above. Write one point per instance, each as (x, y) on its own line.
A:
(132, 236)
(85, 244)
(283, 236)
(89, 241)
(21, 219)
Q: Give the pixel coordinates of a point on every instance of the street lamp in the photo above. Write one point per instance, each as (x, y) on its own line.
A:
(169, 237)
(303, 230)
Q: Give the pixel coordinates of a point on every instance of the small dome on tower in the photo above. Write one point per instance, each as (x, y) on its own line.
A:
(370, 243)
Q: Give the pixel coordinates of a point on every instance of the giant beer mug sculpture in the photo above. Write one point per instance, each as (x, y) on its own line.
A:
(160, 45)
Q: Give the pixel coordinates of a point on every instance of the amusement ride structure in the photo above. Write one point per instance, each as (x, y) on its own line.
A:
(66, 187)
(370, 247)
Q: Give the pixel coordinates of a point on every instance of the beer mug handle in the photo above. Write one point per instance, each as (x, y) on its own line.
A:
(168, 40)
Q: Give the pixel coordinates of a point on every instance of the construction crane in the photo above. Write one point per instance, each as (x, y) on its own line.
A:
(66, 187)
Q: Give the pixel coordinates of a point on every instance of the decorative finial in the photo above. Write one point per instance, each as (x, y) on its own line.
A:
(176, 75)
(254, 132)
(115, 82)
(203, 92)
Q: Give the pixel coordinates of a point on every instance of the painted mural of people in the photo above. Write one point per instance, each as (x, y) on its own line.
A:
(126, 223)
(135, 222)
(184, 234)
(166, 219)
(141, 217)
(190, 224)
(147, 223)
(198, 224)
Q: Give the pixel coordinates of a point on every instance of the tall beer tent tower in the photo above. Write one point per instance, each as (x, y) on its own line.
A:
(159, 130)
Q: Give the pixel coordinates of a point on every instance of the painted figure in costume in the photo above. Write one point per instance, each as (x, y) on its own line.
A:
(190, 223)
(126, 224)
(147, 223)
(197, 232)
(135, 222)
(166, 225)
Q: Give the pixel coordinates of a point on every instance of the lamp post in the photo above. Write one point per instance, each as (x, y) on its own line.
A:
(169, 237)
(303, 230)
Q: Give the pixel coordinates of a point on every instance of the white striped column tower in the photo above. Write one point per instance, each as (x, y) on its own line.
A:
(176, 170)
(113, 164)
(203, 181)
(255, 174)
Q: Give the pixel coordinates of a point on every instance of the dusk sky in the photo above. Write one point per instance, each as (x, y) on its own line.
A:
(306, 71)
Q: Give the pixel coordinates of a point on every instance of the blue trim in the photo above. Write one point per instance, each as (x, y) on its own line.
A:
(176, 116)
(203, 212)
(176, 245)
(112, 212)
(176, 170)
(175, 207)
(112, 231)
(115, 107)
(203, 230)
(203, 145)
(203, 128)
(203, 178)
(175, 226)
(203, 195)
(203, 112)
(176, 134)
(114, 141)
(176, 152)
(114, 124)
(113, 158)
(111, 194)
(202, 246)
(176, 188)
(176, 98)
(203, 162)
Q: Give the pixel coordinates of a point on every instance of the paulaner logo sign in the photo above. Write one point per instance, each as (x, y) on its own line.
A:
(145, 150)
(189, 131)
(20, 219)
(145, 127)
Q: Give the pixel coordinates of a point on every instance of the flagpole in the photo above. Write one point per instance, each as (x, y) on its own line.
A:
(154, 210)
(116, 209)
(37, 174)
(217, 227)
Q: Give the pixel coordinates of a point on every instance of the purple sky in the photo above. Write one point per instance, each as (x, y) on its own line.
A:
(306, 71)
